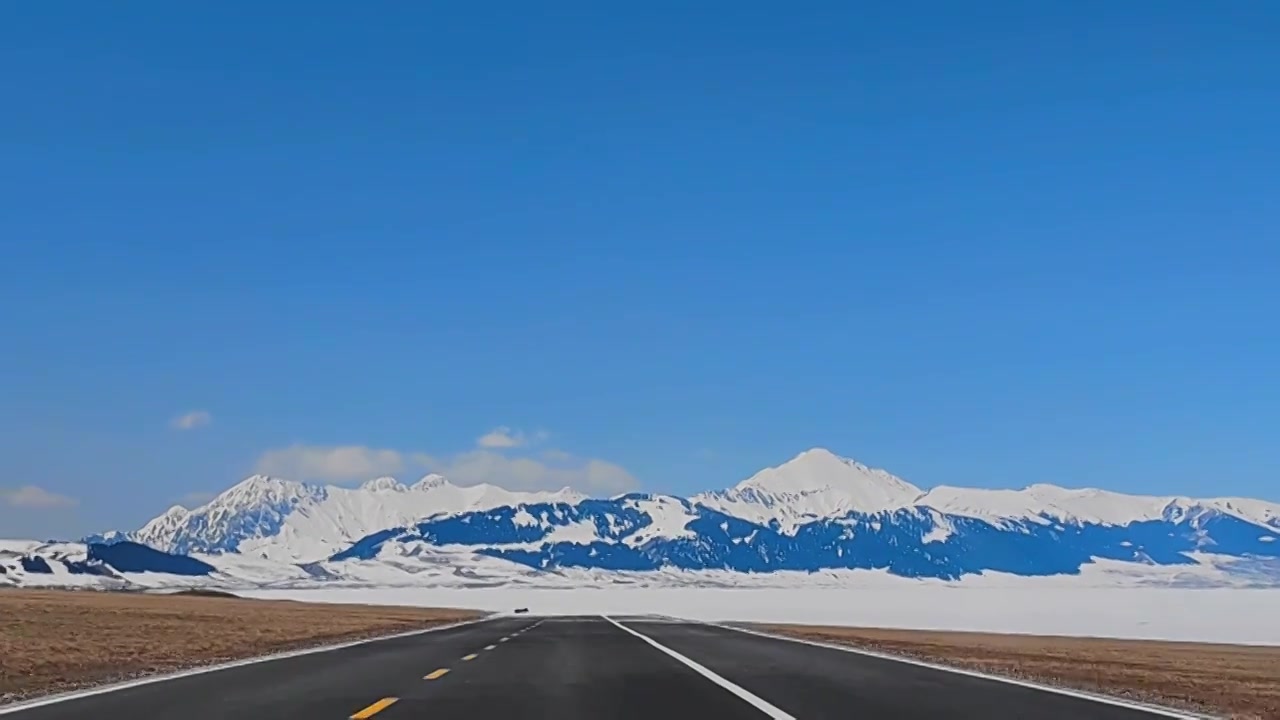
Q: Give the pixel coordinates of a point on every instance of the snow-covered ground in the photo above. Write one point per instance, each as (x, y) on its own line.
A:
(1201, 615)
(1202, 602)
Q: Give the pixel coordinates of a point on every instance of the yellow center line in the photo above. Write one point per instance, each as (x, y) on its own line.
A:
(472, 656)
(374, 709)
(435, 674)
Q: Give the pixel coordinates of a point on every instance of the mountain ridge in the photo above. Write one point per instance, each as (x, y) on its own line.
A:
(816, 511)
(315, 519)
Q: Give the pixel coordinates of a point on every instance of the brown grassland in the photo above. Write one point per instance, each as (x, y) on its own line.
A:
(54, 640)
(1235, 681)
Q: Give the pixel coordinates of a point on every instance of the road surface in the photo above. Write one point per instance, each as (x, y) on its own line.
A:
(579, 667)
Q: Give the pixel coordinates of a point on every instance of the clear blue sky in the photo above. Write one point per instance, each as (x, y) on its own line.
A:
(977, 244)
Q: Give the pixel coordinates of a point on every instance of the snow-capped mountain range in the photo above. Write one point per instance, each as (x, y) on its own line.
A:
(816, 512)
(297, 522)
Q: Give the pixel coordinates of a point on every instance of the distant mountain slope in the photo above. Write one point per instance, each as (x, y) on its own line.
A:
(297, 522)
(131, 557)
(815, 512)
(910, 542)
(34, 563)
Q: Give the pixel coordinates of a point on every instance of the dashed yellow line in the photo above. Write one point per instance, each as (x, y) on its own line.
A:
(374, 709)
(472, 656)
(436, 674)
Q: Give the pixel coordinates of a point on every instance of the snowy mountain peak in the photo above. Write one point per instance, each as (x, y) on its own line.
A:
(430, 481)
(821, 471)
(162, 526)
(259, 489)
(285, 520)
(261, 483)
(383, 484)
(814, 484)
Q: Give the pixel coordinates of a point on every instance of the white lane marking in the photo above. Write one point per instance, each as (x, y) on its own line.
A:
(103, 689)
(1080, 694)
(490, 647)
(756, 701)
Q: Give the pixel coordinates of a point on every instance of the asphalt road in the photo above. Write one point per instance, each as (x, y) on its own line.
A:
(589, 667)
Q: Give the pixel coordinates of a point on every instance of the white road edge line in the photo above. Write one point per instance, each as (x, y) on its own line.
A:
(148, 680)
(756, 701)
(1095, 697)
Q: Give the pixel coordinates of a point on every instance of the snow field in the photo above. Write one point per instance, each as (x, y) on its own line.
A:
(1201, 615)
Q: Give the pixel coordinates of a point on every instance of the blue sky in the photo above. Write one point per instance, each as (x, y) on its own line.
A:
(663, 247)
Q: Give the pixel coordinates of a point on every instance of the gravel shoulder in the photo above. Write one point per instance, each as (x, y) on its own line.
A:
(53, 641)
(1236, 681)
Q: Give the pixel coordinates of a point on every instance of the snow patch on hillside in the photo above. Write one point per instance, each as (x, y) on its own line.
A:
(1041, 503)
(1087, 505)
(670, 517)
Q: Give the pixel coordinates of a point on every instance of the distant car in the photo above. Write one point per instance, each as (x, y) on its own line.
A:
(521, 610)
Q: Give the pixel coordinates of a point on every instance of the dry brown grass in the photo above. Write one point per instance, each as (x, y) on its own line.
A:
(56, 640)
(1233, 680)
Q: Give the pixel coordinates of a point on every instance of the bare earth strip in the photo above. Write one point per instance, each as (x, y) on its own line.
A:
(1236, 681)
(54, 640)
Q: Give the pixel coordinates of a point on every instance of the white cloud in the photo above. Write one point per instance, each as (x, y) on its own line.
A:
(34, 498)
(589, 475)
(504, 437)
(501, 437)
(497, 460)
(191, 420)
(551, 470)
(333, 463)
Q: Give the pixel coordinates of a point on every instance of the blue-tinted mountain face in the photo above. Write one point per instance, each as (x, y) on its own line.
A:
(911, 542)
(133, 557)
(103, 560)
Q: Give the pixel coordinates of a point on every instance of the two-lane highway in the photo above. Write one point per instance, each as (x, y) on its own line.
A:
(579, 667)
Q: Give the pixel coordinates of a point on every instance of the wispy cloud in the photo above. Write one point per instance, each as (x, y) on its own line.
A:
(555, 470)
(35, 498)
(550, 469)
(333, 463)
(503, 437)
(191, 420)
